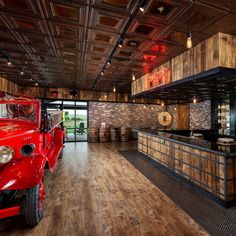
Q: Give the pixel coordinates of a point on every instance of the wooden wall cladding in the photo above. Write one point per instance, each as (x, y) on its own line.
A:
(183, 116)
(63, 93)
(7, 86)
(204, 169)
(227, 46)
(216, 51)
(153, 79)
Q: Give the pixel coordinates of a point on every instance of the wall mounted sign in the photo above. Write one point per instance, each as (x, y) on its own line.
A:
(157, 78)
(165, 118)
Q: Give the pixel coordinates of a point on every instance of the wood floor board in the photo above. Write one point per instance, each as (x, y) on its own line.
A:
(94, 191)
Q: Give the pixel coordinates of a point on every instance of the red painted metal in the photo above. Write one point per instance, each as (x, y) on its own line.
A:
(24, 172)
(8, 212)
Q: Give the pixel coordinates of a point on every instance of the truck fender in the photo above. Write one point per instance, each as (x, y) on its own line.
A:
(23, 173)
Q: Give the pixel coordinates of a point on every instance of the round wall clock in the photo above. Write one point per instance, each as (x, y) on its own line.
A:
(164, 118)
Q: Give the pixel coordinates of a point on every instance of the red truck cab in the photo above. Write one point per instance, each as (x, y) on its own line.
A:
(30, 139)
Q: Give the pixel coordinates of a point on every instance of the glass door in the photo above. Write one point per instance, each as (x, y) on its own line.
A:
(75, 117)
(69, 124)
(81, 124)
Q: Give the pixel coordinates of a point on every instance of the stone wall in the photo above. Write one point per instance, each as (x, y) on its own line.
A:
(138, 116)
(200, 115)
(123, 114)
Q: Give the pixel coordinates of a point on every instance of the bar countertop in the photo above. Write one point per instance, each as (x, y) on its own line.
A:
(208, 143)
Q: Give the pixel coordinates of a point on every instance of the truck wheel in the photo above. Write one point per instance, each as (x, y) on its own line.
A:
(61, 154)
(34, 205)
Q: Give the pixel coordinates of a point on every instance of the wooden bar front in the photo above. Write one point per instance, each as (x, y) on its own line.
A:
(212, 172)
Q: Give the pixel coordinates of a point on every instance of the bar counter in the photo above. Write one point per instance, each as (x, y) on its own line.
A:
(203, 163)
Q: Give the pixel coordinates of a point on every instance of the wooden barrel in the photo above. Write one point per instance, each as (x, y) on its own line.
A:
(104, 135)
(93, 134)
(125, 134)
(115, 134)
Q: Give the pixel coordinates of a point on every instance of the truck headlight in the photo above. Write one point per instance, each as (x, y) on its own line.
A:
(6, 154)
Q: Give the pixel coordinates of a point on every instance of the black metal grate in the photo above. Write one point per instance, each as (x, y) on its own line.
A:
(214, 218)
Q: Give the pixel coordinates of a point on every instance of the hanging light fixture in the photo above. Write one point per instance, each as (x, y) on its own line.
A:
(21, 72)
(102, 73)
(133, 77)
(189, 42)
(36, 84)
(162, 104)
(114, 89)
(194, 100)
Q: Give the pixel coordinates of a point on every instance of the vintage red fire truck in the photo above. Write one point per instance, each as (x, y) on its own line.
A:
(31, 138)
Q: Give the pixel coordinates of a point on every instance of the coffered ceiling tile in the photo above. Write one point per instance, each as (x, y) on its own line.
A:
(17, 6)
(199, 17)
(143, 29)
(116, 5)
(69, 12)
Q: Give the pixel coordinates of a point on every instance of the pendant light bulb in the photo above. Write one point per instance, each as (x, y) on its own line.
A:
(194, 100)
(114, 89)
(21, 72)
(133, 77)
(189, 42)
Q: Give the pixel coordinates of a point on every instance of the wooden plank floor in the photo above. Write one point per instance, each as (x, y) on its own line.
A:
(95, 191)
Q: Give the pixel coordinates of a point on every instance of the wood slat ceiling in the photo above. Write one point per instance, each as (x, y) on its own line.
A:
(67, 43)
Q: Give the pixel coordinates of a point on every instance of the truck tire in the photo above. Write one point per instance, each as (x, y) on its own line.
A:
(34, 205)
(61, 154)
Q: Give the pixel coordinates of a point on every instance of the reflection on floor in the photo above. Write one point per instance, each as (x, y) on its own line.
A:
(79, 137)
(96, 191)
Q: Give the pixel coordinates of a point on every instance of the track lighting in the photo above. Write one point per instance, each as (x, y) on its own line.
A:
(8, 62)
(109, 62)
(114, 89)
(143, 5)
(189, 42)
(21, 72)
(102, 73)
(121, 42)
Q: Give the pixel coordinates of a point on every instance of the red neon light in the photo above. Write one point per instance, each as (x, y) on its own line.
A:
(8, 212)
(149, 57)
(159, 48)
